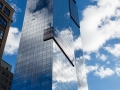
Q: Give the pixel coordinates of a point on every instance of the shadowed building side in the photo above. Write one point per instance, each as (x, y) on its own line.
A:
(5, 76)
(6, 13)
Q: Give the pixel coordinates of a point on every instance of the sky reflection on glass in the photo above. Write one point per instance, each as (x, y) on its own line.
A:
(41, 65)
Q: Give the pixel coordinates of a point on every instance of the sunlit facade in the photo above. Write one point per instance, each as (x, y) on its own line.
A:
(48, 58)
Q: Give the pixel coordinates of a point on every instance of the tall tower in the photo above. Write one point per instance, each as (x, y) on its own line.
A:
(47, 57)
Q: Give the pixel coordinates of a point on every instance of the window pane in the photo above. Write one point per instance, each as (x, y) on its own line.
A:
(2, 86)
(3, 22)
(6, 11)
(74, 12)
(1, 34)
(1, 5)
(3, 79)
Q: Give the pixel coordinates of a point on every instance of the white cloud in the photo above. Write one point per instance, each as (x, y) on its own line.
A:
(103, 57)
(87, 57)
(108, 62)
(17, 9)
(12, 42)
(100, 23)
(117, 70)
(117, 64)
(91, 68)
(104, 72)
(99, 71)
(115, 50)
(97, 54)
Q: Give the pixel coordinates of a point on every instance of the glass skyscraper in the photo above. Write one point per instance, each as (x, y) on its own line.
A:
(49, 57)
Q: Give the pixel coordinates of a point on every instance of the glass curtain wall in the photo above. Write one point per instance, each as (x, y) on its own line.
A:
(34, 61)
(66, 22)
(48, 60)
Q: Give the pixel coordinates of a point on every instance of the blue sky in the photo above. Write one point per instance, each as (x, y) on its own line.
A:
(100, 30)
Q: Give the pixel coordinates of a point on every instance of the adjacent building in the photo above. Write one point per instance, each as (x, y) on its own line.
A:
(49, 56)
(5, 76)
(6, 13)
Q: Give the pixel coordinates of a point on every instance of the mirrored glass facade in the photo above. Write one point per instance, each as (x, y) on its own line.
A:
(47, 58)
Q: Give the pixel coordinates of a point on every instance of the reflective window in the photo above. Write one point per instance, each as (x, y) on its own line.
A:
(2, 86)
(6, 11)
(1, 34)
(74, 12)
(63, 69)
(3, 22)
(1, 5)
(43, 64)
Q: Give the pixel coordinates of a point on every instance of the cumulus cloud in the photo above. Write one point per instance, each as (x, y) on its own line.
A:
(117, 64)
(91, 68)
(87, 57)
(100, 23)
(102, 73)
(97, 54)
(99, 71)
(117, 70)
(12, 42)
(103, 57)
(115, 50)
(17, 9)
(108, 62)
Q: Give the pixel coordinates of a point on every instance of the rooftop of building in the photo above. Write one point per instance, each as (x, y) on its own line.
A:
(6, 65)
